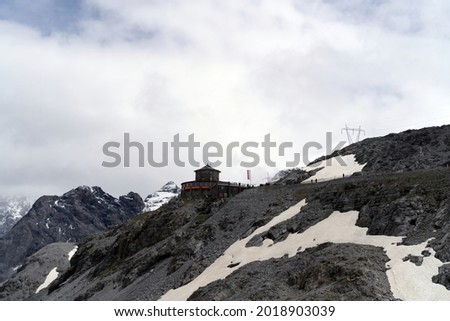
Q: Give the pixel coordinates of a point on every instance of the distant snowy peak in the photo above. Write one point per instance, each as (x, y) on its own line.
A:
(12, 209)
(291, 176)
(170, 187)
(161, 197)
(283, 174)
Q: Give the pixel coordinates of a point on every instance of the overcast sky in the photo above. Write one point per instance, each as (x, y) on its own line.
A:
(77, 74)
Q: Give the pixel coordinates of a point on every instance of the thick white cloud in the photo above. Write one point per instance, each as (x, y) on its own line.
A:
(224, 70)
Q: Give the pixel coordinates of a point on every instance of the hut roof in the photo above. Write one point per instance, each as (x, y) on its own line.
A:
(207, 168)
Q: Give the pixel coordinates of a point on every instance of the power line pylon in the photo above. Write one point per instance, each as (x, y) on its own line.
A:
(353, 130)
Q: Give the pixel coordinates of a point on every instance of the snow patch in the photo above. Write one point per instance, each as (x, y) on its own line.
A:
(86, 188)
(59, 205)
(99, 199)
(72, 252)
(408, 281)
(413, 283)
(335, 170)
(52, 275)
(16, 268)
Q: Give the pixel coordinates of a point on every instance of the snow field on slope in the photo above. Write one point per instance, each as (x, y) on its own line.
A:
(407, 281)
(332, 169)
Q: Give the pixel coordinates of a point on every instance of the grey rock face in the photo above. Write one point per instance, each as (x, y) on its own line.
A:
(67, 218)
(444, 276)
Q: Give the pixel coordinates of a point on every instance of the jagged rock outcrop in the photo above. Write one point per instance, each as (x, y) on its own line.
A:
(68, 218)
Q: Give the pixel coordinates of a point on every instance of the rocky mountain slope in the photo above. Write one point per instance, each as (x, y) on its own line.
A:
(161, 196)
(407, 151)
(68, 218)
(12, 209)
(29, 281)
(381, 232)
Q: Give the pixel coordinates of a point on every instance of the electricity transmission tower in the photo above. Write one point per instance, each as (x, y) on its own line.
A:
(267, 178)
(353, 130)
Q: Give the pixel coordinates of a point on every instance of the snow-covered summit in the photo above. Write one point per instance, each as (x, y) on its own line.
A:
(170, 187)
(12, 209)
(161, 196)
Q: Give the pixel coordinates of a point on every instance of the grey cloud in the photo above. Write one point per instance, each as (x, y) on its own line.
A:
(45, 15)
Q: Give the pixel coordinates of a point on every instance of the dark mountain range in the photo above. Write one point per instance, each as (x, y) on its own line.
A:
(68, 218)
